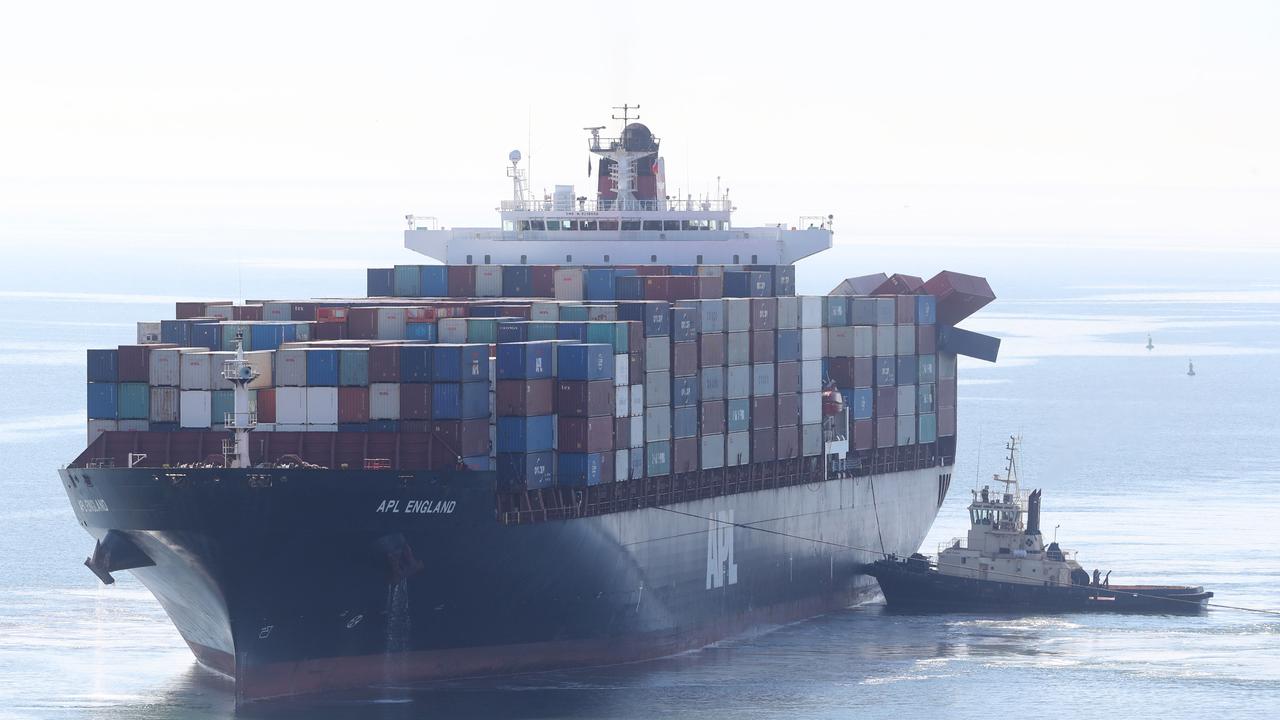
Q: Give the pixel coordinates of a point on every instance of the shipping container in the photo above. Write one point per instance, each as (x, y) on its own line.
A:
(133, 401)
(322, 404)
(684, 455)
(886, 371)
(747, 283)
(925, 399)
(737, 449)
(657, 389)
(461, 280)
(811, 376)
(811, 440)
(763, 346)
(711, 349)
(655, 316)
(762, 379)
(434, 280)
(764, 444)
(764, 412)
(526, 434)
(458, 363)
(637, 400)
(737, 381)
(738, 415)
(946, 418)
(711, 451)
(587, 361)
(322, 368)
(584, 434)
(788, 313)
(415, 363)
(657, 423)
(906, 430)
(488, 281)
(946, 393)
(684, 324)
(164, 405)
(886, 431)
(657, 458)
(525, 397)
(291, 406)
(812, 311)
(223, 403)
(886, 404)
(415, 401)
(864, 432)
(684, 391)
(810, 408)
(582, 398)
(787, 377)
(906, 370)
(863, 403)
(524, 360)
(384, 401)
(570, 284)
(738, 348)
(406, 281)
(526, 470)
(840, 342)
(103, 402)
(886, 340)
(906, 340)
(195, 371)
(711, 383)
(195, 408)
(788, 442)
(864, 372)
(737, 314)
(579, 469)
(684, 422)
(353, 367)
(787, 410)
(459, 401)
(835, 310)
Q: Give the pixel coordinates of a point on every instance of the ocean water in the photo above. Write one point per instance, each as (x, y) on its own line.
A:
(1154, 475)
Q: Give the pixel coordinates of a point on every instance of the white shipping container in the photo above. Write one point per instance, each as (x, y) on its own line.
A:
(621, 465)
(195, 408)
(488, 281)
(712, 447)
(886, 337)
(391, 321)
(621, 401)
(322, 406)
(811, 376)
(811, 440)
(864, 341)
(281, 427)
(570, 283)
(165, 366)
(810, 408)
(97, 427)
(737, 314)
(737, 348)
(811, 344)
(737, 448)
(906, 344)
(810, 311)
(291, 368)
(164, 405)
(544, 311)
(737, 382)
(621, 369)
(277, 311)
(291, 406)
(840, 341)
(452, 330)
(194, 374)
(946, 366)
(637, 433)
(148, 332)
(762, 379)
(657, 423)
(657, 389)
(302, 331)
(906, 399)
(384, 401)
(657, 353)
(788, 313)
(637, 401)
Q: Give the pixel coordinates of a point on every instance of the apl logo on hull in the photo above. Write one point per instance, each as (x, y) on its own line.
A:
(721, 569)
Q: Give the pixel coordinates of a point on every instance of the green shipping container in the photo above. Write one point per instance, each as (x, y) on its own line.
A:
(574, 313)
(353, 367)
(134, 401)
(542, 331)
(482, 330)
(612, 333)
(229, 331)
(223, 403)
(407, 281)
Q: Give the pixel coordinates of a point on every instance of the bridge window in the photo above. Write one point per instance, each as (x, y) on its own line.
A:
(587, 225)
(608, 224)
(553, 224)
(653, 258)
(486, 260)
(630, 224)
(713, 224)
(508, 226)
(670, 224)
(652, 224)
(468, 259)
(537, 225)
(524, 259)
(524, 225)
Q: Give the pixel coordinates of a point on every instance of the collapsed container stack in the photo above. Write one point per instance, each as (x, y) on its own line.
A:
(560, 375)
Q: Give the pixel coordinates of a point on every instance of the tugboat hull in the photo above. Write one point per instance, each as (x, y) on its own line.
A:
(913, 586)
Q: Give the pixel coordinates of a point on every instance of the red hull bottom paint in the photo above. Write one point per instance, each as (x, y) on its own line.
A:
(284, 680)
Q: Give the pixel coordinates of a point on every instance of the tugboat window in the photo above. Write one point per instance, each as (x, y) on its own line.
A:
(630, 224)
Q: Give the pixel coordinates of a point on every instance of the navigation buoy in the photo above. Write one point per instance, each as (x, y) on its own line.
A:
(1191, 369)
(1150, 345)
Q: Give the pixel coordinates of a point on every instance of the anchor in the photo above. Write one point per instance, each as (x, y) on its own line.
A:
(115, 551)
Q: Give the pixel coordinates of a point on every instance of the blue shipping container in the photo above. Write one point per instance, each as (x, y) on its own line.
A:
(571, 330)
(380, 282)
(433, 280)
(863, 403)
(460, 363)
(177, 332)
(747, 283)
(103, 366)
(653, 313)
(926, 310)
(587, 361)
(580, 468)
(422, 331)
(684, 422)
(526, 434)
(207, 335)
(102, 401)
(684, 324)
(459, 401)
(266, 337)
(322, 367)
(415, 363)
(907, 367)
(684, 391)
(524, 361)
(526, 470)
(599, 284)
(517, 281)
(629, 287)
(788, 346)
(885, 371)
(513, 332)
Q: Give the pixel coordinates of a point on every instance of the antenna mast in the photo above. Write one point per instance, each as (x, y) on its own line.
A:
(240, 421)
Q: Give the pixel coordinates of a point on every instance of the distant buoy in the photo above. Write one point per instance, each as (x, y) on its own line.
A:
(1191, 369)
(1150, 345)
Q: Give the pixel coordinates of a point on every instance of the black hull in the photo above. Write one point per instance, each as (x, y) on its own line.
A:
(912, 587)
(296, 581)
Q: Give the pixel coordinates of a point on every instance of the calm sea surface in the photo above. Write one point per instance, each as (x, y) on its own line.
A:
(1152, 474)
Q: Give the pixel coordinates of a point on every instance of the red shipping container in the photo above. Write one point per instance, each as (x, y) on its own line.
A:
(682, 287)
(841, 371)
(421, 313)
(886, 404)
(711, 415)
(246, 313)
(133, 363)
(622, 431)
(462, 281)
(304, 311)
(947, 393)
(467, 438)
(266, 403)
(649, 270)
(946, 421)
(353, 404)
(684, 359)
(764, 412)
(585, 434)
(905, 309)
(959, 295)
(657, 288)
(764, 313)
(711, 349)
(763, 346)
(384, 363)
(362, 323)
(189, 310)
(864, 434)
(415, 402)
(864, 371)
(886, 432)
(899, 284)
(684, 455)
(764, 444)
(331, 314)
(524, 398)
(788, 442)
(710, 287)
(926, 339)
(788, 410)
(543, 280)
(583, 398)
(607, 468)
(635, 335)
(329, 331)
(787, 378)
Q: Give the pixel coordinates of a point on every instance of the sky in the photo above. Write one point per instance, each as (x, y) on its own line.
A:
(279, 132)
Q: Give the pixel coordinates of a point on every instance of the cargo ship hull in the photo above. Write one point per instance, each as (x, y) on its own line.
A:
(292, 581)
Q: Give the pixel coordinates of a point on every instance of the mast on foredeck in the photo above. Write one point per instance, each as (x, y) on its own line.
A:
(238, 372)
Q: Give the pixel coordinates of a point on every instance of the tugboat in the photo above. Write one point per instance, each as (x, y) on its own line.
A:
(1006, 567)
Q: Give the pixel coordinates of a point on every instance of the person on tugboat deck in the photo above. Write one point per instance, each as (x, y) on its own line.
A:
(1097, 577)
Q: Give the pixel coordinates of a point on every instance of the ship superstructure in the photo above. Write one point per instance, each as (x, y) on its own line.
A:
(609, 430)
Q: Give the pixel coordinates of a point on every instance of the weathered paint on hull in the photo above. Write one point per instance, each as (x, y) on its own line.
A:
(295, 581)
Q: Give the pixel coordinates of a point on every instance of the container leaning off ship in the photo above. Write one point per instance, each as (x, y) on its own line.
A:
(607, 430)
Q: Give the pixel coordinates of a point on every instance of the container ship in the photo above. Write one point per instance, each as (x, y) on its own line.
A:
(607, 430)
